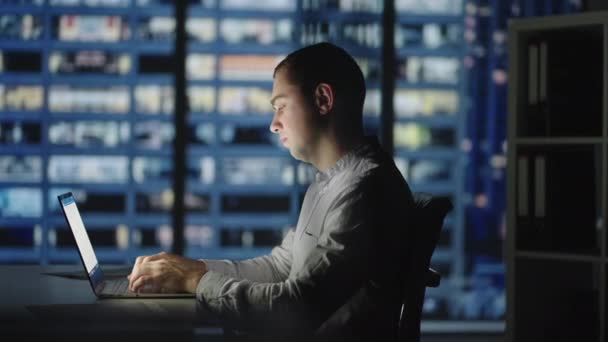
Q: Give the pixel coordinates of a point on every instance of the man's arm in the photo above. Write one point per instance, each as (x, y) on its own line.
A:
(334, 270)
(170, 273)
(268, 268)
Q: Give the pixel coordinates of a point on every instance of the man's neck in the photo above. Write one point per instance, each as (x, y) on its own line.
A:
(330, 150)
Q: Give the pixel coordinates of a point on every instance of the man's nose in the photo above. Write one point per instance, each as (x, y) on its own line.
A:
(274, 125)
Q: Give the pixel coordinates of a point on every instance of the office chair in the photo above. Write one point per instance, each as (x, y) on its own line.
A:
(430, 214)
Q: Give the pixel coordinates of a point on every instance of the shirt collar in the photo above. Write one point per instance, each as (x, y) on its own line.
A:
(347, 159)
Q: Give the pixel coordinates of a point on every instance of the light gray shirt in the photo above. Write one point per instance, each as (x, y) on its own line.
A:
(331, 258)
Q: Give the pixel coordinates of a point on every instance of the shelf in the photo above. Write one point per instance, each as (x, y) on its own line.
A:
(224, 48)
(401, 84)
(404, 18)
(550, 141)
(550, 256)
(428, 52)
(562, 93)
(434, 153)
(571, 291)
(442, 121)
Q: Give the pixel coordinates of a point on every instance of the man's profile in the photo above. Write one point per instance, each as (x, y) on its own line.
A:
(338, 273)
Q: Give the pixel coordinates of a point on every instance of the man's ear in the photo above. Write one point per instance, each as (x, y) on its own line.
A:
(324, 98)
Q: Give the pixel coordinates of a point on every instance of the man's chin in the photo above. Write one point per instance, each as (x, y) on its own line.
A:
(297, 156)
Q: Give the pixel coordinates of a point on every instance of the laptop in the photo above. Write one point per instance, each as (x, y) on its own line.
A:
(102, 287)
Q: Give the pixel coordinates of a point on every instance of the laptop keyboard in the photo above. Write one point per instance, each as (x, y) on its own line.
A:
(116, 287)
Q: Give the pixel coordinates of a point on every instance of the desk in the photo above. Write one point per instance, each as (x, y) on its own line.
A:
(35, 306)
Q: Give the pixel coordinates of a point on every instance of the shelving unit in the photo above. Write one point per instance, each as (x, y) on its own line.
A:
(557, 157)
(83, 126)
(429, 106)
(248, 181)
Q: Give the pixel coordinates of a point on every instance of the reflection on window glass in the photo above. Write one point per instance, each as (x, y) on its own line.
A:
(231, 203)
(409, 103)
(202, 170)
(200, 66)
(257, 171)
(201, 3)
(368, 35)
(20, 202)
(420, 171)
(244, 100)
(20, 133)
(442, 70)
(154, 99)
(162, 201)
(262, 5)
(18, 61)
(89, 61)
(306, 173)
(20, 236)
(149, 169)
(199, 236)
(92, 169)
(91, 28)
(371, 68)
(250, 237)
(201, 99)
(156, 64)
(20, 169)
(243, 135)
(199, 203)
(201, 134)
(415, 136)
(373, 103)
(100, 99)
(436, 7)
(114, 236)
(154, 237)
(156, 29)
(21, 97)
(89, 133)
(248, 67)
(22, 2)
(256, 31)
(91, 3)
(154, 202)
(201, 30)
(89, 201)
(429, 35)
(20, 26)
(153, 134)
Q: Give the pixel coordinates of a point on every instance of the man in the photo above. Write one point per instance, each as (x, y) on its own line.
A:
(338, 274)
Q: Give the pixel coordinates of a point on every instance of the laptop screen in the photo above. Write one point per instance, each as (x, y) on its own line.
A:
(72, 215)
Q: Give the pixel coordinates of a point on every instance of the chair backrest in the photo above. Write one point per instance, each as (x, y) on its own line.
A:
(430, 214)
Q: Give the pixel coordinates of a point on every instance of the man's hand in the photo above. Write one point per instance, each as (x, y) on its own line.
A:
(166, 273)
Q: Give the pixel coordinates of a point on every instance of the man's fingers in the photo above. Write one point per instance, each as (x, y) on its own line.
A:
(139, 259)
(154, 257)
(143, 284)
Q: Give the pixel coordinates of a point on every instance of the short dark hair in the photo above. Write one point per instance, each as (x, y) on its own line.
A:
(326, 63)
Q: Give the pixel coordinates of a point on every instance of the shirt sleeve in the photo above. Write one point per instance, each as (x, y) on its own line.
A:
(336, 267)
(270, 268)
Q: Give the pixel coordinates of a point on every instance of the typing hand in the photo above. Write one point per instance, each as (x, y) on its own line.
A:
(165, 273)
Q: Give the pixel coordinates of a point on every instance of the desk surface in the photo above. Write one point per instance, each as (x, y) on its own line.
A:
(31, 302)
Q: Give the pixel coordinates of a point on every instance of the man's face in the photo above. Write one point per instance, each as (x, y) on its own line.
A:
(294, 118)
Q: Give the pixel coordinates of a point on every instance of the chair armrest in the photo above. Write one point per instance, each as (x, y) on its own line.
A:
(433, 278)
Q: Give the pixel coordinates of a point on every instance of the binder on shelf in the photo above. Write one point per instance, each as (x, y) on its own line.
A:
(532, 75)
(522, 187)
